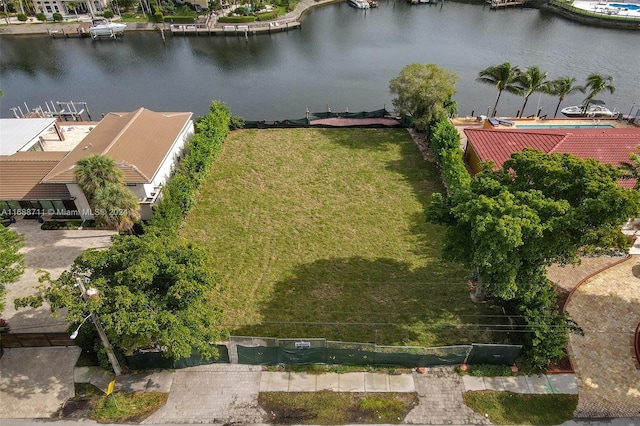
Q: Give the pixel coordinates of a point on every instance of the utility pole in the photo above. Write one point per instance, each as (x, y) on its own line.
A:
(103, 336)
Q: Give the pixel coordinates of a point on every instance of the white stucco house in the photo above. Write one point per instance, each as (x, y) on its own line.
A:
(145, 145)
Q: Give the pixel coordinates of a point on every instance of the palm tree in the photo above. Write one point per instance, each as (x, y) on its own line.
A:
(531, 81)
(597, 83)
(503, 76)
(94, 172)
(631, 170)
(562, 87)
(115, 205)
(72, 5)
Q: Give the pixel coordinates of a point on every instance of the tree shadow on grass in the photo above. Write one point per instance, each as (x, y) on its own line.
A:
(380, 301)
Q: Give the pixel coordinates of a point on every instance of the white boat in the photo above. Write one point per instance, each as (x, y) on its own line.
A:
(595, 109)
(105, 28)
(360, 4)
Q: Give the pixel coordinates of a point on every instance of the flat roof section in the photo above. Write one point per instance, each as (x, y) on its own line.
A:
(18, 134)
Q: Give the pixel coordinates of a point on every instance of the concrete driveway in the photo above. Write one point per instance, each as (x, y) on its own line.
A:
(53, 251)
(607, 308)
(35, 382)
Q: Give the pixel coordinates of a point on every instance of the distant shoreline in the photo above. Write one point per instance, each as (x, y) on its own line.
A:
(44, 28)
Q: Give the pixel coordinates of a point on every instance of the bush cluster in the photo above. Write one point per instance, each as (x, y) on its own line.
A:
(445, 142)
(178, 194)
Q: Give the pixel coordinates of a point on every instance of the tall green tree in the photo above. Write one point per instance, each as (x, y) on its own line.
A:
(529, 82)
(11, 260)
(116, 206)
(503, 77)
(563, 87)
(538, 209)
(155, 290)
(423, 92)
(596, 84)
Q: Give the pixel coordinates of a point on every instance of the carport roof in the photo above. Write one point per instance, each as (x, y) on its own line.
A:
(16, 133)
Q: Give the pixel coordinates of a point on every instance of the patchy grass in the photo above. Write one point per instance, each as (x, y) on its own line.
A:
(336, 368)
(322, 233)
(127, 407)
(508, 408)
(331, 408)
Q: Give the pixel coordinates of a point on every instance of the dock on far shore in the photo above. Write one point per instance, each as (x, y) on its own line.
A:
(82, 30)
(497, 4)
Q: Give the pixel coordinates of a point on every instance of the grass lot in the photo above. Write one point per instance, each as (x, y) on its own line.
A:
(321, 233)
(506, 408)
(332, 408)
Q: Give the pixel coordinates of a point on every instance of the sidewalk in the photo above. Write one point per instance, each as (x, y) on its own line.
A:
(228, 393)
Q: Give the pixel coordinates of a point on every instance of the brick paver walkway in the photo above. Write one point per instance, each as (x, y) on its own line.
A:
(440, 393)
(607, 308)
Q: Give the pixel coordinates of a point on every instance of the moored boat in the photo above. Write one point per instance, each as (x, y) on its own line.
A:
(105, 28)
(594, 109)
(360, 4)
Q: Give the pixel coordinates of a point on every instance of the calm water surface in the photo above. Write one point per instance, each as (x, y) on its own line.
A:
(342, 57)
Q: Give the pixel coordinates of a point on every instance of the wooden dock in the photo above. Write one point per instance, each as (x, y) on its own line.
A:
(81, 30)
(499, 4)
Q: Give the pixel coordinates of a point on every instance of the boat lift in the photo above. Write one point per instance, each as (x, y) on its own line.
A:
(62, 110)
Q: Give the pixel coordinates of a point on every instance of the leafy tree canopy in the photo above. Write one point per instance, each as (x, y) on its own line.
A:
(537, 210)
(154, 290)
(424, 92)
(11, 260)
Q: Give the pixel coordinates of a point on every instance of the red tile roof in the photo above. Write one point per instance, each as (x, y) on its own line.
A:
(609, 146)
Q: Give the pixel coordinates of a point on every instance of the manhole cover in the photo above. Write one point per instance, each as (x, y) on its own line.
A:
(75, 408)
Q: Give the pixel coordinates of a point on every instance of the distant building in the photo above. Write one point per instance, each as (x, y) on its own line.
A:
(49, 7)
(145, 145)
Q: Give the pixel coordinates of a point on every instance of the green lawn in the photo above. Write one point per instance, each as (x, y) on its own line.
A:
(506, 408)
(321, 233)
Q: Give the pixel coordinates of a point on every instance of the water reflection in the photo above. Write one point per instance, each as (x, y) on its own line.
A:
(341, 57)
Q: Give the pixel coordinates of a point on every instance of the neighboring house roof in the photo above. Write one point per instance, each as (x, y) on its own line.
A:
(20, 133)
(120, 136)
(609, 146)
(21, 173)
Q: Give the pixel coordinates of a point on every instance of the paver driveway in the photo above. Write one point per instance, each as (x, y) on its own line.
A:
(607, 308)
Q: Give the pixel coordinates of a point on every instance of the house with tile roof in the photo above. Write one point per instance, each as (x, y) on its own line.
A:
(606, 145)
(145, 145)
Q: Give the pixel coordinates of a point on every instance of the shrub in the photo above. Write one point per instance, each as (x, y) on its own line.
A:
(22, 17)
(41, 17)
(108, 14)
(180, 19)
(241, 11)
(236, 122)
(236, 19)
(267, 16)
(179, 192)
(57, 17)
(158, 17)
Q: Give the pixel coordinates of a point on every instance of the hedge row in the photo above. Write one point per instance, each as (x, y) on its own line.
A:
(445, 142)
(178, 194)
(180, 19)
(236, 19)
(267, 16)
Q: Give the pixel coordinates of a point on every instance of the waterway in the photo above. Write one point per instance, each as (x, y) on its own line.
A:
(341, 58)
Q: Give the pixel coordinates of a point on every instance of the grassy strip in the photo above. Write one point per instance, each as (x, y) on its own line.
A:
(508, 408)
(322, 233)
(128, 407)
(331, 408)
